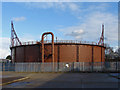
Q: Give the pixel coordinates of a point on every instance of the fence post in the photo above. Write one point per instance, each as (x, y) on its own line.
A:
(73, 66)
(57, 66)
(116, 65)
(2, 66)
(83, 66)
(92, 66)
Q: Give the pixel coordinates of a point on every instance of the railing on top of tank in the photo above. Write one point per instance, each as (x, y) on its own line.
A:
(60, 41)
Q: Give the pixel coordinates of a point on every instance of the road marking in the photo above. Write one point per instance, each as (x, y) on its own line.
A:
(14, 81)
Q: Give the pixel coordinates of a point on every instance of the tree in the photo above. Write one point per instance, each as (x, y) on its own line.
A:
(8, 57)
(111, 55)
(118, 51)
(117, 54)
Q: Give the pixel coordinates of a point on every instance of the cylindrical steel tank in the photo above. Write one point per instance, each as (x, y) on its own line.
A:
(63, 52)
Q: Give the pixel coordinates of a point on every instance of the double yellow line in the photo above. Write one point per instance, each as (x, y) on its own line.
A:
(14, 81)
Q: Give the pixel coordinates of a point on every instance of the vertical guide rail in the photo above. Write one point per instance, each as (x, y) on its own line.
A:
(92, 59)
(14, 38)
(77, 57)
(101, 58)
(101, 41)
(58, 57)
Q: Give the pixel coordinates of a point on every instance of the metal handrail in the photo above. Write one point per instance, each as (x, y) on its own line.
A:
(60, 41)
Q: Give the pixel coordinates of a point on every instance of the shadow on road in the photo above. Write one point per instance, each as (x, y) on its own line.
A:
(81, 80)
(69, 80)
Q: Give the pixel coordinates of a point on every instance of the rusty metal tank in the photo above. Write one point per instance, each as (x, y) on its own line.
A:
(64, 51)
(56, 51)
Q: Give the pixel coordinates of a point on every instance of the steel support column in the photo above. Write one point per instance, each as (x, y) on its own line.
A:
(24, 54)
(92, 57)
(15, 55)
(77, 59)
(101, 54)
(58, 56)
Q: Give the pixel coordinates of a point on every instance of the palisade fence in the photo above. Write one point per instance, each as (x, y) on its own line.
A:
(62, 67)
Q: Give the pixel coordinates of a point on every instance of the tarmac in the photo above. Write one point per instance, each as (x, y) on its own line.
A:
(61, 80)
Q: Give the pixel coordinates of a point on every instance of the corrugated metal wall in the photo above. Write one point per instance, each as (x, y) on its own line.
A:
(61, 67)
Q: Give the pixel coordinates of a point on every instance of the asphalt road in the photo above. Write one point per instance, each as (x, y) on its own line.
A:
(64, 80)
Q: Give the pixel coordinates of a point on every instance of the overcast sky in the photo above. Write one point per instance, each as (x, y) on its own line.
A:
(67, 20)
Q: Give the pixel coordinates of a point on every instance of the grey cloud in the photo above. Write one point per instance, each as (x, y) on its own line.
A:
(76, 33)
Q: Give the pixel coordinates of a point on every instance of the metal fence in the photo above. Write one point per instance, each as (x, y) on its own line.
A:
(7, 67)
(62, 67)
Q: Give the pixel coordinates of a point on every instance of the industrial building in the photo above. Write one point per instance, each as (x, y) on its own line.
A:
(56, 50)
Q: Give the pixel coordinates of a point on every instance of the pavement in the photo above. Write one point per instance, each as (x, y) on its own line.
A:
(116, 75)
(63, 80)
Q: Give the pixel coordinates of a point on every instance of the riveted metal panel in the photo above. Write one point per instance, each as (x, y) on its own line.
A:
(103, 54)
(97, 54)
(40, 53)
(62, 52)
(85, 53)
(56, 53)
(31, 53)
(48, 53)
(67, 53)
(13, 54)
(20, 54)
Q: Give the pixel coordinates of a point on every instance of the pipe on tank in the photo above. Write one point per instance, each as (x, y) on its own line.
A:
(43, 46)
